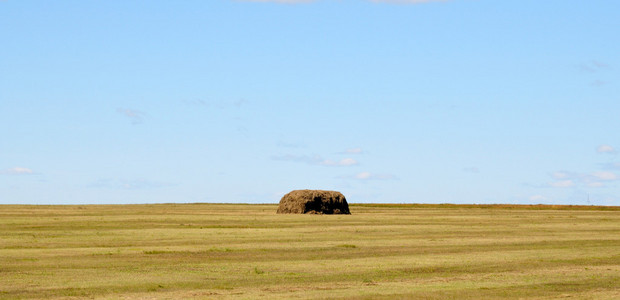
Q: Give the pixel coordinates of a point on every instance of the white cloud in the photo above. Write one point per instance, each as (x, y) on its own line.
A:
(371, 176)
(561, 175)
(363, 175)
(17, 171)
(605, 149)
(564, 179)
(595, 184)
(348, 162)
(562, 183)
(354, 151)
(605, 175)
(343, 162)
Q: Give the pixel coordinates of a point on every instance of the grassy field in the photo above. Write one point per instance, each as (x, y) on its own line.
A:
(247, 251)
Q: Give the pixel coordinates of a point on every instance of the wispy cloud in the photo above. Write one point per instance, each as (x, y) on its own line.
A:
(599, 83)
(605, 175)
(136, 116)
(312, 160)
(562, 175)
(606, 149)
(562, 183)
(352, 151)
(595, 184)
(239, 103)
(370, 176)
(566, 179)
(471, 170)
(17, 171)
(285, 144)
(317, 160)
(593, 66)
(611, 166)
(194, 102)
(343, 162)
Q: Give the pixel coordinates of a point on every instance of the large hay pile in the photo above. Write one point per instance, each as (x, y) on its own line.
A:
(313, 202)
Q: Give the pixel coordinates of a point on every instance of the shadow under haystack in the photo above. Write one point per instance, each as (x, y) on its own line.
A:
(313, 202)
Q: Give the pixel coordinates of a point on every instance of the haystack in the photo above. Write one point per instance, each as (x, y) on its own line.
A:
(313, 202)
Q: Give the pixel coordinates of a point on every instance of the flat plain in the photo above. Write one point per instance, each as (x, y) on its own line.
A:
(238, 251)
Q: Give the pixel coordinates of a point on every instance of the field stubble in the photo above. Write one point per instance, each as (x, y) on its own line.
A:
(247, 251)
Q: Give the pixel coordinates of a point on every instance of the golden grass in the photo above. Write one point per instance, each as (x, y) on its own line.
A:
(182, 251)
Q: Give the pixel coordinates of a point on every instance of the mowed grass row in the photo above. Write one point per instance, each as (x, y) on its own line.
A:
(247, 251)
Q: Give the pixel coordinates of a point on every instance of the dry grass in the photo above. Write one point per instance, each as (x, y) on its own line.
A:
(247, 251)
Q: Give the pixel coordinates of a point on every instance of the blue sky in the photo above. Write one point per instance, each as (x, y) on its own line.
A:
(462, 101)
